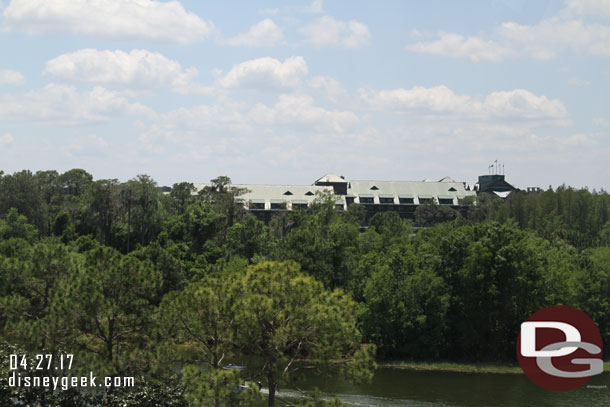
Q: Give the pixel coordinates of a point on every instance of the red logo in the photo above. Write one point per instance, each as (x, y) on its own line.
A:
(560, 348)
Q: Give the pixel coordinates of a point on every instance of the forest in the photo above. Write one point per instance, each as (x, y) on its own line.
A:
(172, 286)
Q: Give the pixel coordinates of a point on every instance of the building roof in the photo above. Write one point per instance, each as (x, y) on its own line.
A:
(421, 189)
(446, 188)
(502, 194)
(330, 178)
(277, 193)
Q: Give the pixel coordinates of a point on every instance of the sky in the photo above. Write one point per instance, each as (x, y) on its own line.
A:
(283, 92)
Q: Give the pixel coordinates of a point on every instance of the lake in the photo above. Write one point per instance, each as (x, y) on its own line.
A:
(399, 387)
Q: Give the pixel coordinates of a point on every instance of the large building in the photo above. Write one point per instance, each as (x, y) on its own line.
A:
(376, 196)
(494, 183)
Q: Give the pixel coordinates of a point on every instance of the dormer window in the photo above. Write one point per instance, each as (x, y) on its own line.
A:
(309, 193)
(452, 189)
(288, 193)
(374, 188)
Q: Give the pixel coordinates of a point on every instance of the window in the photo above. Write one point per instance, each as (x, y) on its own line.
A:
(339, 207)
(288, 193)
(278, 205)
(374, 188)
(257, 206)
(445, 201)
(309, 193)
(386, 200)
(452, 189)
(299, 206)
(425, 201)
(364, 200)
(406, 201)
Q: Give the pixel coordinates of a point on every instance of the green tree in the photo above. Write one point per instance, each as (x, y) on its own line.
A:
(322, 241)
(108, 301)
(74, 182)
(182, 196)
(50, 196)
(202, 316)
(200, 324)
(225, 199)
(430, 214)
(289, 321)
(103, 210)
(63, 227)
(20, 191)
(593, 290)
(498, 286)
(249, 238)
(140, 212)
(406, 307)
(36, 284)
(15, 225)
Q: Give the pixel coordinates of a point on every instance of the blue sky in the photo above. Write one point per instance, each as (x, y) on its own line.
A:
(284, 92)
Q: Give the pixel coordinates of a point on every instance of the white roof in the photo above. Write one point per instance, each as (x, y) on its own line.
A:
(330, 178)
(410, 189)
(277, 193)
(503, 194)
(446, 188)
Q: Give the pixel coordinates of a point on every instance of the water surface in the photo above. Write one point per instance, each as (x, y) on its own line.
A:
(399, 387)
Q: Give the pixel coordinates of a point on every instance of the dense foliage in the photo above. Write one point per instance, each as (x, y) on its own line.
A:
(173, 286)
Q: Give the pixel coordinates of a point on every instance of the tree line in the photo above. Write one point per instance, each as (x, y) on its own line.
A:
(172, 286)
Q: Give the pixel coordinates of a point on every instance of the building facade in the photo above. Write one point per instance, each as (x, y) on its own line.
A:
(376, 196)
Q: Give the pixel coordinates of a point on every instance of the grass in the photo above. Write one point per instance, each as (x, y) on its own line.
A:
(461, 367)
(453, 367)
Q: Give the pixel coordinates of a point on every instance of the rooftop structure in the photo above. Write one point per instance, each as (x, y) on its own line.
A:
(494, 183)
(277, 197)
(400, 196)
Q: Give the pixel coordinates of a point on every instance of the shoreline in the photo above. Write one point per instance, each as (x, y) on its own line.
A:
(460, 367)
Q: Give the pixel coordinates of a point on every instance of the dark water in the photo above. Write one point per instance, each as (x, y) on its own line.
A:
(396, 387)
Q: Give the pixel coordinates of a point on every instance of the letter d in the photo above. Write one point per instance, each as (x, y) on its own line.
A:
(528, 338)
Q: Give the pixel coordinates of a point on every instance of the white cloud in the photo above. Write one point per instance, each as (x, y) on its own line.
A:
(601, 122)
(265, 74)
(139, 69)
(300, 111)
(120, 19)
(588, 7)
(520, 103)
(549, 37)
(183, 120)
(272, 11)
(455, 45)
(236, 128)
(567, 32)
(578, 140)
(6, 139)
(440, 100)
(90, 145)
(326, 31)
(60, 104)
(262, 34)
(578, 82)
(8, 77)
(315, 7)
(331, 87)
